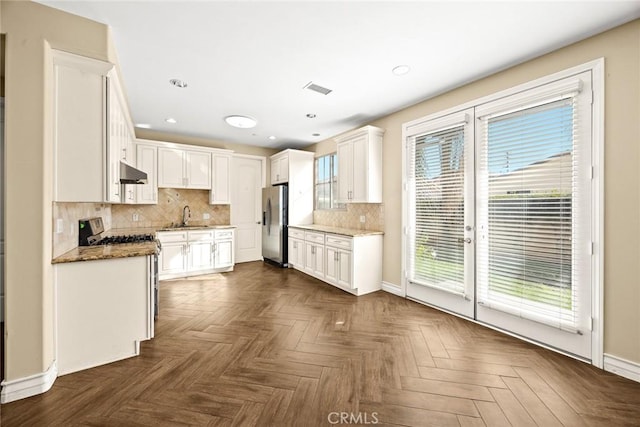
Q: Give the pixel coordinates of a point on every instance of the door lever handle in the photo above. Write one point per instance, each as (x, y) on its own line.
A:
(463, 240)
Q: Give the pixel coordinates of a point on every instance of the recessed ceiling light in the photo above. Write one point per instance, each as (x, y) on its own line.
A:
(272, 138)
(315, 134)
(242, 122)
(143, 125)
(311, 116)
(171, 120)
(401, 70)
(178, 83)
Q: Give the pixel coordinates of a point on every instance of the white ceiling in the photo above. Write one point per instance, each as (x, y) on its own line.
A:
(254, 57)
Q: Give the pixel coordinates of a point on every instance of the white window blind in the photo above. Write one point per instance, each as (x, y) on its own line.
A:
(531, 233)
(436, 187)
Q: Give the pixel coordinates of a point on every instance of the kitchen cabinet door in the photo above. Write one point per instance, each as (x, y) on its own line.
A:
(331, 272)
(223, 254)
(343, 270)
(170, 168)
(280, 169)
(345, 172)
(296, 253)
(200, 255)
(79, 94)
(220, 186)
(359, 170)
(172, 259)
(360, 166)
(198, 170)
(147, 161)
(314, 259)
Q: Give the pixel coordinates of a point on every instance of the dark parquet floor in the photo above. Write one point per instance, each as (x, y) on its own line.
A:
(271, 347)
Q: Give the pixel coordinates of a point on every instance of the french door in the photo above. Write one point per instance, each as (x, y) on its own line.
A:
(440, 194)
(499, 213)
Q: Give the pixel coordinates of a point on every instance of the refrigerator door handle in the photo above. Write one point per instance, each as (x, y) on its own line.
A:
(269, 217)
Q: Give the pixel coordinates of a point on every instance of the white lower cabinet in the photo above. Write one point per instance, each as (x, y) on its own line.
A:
(353, 264)
(104, 308)
(223, 249)
(296, 249)
(187, 253)
(314, 254)
(200, 250)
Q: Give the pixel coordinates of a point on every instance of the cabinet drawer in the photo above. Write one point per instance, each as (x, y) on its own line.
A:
(172, 236)
(311, 236)
(200, 235)
(343, 242)
(296, 233)
(223, 234)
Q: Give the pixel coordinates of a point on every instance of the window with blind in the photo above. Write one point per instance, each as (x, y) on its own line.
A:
(326, 183)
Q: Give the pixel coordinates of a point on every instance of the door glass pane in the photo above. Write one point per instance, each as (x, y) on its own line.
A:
(526, 245)
(437, 248)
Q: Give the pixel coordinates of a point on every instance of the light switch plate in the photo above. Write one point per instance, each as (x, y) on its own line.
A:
(362, 219)
(206, 216)
(136, 217)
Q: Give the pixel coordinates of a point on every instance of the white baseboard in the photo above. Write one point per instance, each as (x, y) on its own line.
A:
(392, 289)
(622, 367)
(28, 386)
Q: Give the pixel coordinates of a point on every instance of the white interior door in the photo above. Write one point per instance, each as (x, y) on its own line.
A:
(247, 180)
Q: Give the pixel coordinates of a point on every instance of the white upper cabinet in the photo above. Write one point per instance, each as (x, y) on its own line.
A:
(295, 167)
(198, 169)
(220, 185)
(80, 116)
(93, 132)
(183, 168)
(280, 168)
(147, 161)
(360, 166)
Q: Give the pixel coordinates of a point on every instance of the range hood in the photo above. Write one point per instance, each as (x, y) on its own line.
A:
(131, 175)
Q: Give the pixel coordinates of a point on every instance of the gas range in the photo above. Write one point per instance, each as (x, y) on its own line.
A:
(131, 238)
(90, 234)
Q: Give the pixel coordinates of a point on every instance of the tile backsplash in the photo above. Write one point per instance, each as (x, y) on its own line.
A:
(350, 218)
(168, 211)
(69, 214)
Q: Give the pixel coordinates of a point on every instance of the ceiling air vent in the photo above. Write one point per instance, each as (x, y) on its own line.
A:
(317, 88)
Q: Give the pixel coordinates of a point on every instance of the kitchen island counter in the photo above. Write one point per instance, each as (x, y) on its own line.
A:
(92, 253)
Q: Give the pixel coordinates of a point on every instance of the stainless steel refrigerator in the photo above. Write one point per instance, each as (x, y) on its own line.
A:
(275, 215)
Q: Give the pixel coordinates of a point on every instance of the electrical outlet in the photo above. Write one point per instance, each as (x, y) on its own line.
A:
(206, 216)
(362, 219)
(59, 225)
(135, 217)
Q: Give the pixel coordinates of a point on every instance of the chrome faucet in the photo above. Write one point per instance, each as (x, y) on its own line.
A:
(186, 215)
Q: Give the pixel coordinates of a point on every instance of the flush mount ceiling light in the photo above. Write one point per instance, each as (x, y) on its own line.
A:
(401, 70)
(143, 125)
(171, 120)
(178, 83)
(272, 137)
(311, 116)
(242, 122)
